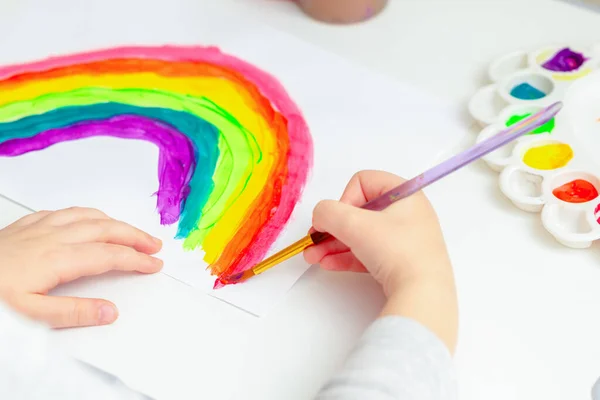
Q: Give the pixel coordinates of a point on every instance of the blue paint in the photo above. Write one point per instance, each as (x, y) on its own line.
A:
(193, 131)
(525, 91)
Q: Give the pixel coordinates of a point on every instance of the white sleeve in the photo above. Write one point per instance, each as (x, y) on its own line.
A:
(396, 359)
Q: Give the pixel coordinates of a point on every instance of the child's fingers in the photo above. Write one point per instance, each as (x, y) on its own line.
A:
(367, 185)
(97, 258)
(114, 232)
(66, 312)
(314, 254)
(345, 222)
(74, 214)
(29, 219)
(353, 193)
(342, 262)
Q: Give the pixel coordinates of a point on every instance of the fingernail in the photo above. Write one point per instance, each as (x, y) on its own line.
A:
(157, 262)
(157, 242)
(107, 314)
(154, 264)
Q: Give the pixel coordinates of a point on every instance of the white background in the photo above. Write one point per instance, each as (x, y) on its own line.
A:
(528, 306)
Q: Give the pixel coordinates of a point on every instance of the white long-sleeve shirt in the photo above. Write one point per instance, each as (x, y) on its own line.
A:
(396, 358)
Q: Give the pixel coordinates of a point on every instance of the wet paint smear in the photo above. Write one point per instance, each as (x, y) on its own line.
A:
(566, 60)
(525, 91)
(234, 149)
(548, 127)
(577, 191)
(549, 156)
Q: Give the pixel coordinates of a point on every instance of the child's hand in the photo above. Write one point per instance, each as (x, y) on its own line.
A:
(45, 249)
(401, 246)
(403, 242)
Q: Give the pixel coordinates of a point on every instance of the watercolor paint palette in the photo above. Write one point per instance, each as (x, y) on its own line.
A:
(553, 170)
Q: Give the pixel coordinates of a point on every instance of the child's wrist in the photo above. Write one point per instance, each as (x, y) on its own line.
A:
(429, 300)
(416, 283)
(435, 270)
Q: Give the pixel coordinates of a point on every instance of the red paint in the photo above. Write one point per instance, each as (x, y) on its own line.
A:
(225, 280)
(577, 191)
(219, 283)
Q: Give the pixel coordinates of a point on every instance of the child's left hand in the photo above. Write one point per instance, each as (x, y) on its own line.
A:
(45, 249)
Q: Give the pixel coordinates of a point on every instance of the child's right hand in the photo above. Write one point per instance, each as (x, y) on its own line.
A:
(401, 243)
(401, 246)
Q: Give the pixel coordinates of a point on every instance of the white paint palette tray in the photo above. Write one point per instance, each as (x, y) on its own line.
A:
(553, 170)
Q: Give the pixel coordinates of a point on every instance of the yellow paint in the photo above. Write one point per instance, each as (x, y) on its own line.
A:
(544, 56)
(548, 156)
(571, 76)
(221, 92)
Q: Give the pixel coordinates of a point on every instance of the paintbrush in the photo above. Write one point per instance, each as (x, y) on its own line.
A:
(408, 188)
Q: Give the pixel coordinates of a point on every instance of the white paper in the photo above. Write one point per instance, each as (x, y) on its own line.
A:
(357, 121)
(190, 351)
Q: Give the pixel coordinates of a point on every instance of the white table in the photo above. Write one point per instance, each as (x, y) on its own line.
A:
(528, 306)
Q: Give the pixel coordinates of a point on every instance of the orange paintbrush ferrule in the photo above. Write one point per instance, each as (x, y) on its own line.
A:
(275, 259)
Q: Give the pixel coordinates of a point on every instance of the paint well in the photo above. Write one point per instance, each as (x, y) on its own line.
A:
(235, 151)
(525, 91)
(527, 184)
(565, 60)
(548, 156)
(576, 191)
(548, 127)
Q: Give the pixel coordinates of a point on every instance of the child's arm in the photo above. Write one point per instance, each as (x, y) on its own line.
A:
(396, 359)
(406, 353)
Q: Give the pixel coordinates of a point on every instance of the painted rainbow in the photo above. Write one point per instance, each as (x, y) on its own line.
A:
(234, 149)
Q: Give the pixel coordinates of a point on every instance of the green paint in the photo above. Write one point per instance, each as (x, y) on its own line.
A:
(548, 127)
(233, 138)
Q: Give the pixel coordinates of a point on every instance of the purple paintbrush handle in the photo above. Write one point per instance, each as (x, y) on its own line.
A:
(416, 184)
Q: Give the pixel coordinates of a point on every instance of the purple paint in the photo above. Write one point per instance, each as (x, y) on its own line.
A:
(566, 60)
(176, 153)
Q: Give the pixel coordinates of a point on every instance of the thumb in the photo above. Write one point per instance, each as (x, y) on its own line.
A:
(345, 222)
(68, 312)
